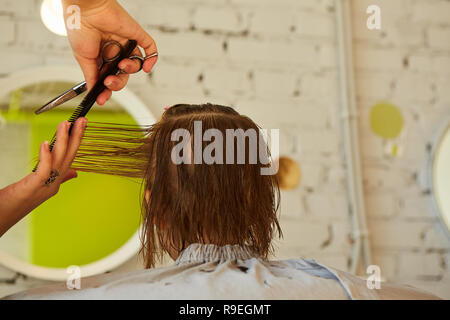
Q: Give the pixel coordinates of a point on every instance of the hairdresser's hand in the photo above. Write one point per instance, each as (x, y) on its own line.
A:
(104, 20)
(20, 198)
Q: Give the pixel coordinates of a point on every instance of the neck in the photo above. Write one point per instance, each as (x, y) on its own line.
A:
(204, 253)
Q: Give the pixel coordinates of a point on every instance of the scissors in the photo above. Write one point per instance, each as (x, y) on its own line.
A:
(81, 87)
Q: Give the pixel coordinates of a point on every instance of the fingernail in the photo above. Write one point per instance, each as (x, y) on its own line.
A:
(108, 82)
(46, 145)
(83, 121)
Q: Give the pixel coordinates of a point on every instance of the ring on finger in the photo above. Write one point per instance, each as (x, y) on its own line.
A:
(151, 56)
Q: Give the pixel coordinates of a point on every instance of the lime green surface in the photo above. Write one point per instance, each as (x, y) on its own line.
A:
(91, 216)
(386, 120)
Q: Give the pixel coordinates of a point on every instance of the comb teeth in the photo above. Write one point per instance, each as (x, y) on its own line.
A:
(76, 114)
(52, 142)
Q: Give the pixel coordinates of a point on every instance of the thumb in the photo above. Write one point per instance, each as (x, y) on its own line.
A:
(45, 161)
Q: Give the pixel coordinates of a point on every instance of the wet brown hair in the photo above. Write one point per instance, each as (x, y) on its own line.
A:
(188, 203)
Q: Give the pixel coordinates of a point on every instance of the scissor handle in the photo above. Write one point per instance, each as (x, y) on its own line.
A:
(105, 46)
(110, 43)
(141, 60)
(110, 69)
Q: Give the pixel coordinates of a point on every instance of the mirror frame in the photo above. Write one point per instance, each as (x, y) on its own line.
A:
(433, 148)
(141, 114)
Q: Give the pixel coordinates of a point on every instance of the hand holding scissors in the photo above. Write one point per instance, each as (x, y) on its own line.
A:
(102, 21)
(109, 53)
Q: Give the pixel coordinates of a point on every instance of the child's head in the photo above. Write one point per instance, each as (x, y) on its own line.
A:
(202, 185)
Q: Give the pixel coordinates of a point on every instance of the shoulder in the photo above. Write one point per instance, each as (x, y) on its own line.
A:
(360, 288)
(355, 286)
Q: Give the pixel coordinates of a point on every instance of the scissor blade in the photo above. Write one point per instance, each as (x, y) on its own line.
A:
(62, 98)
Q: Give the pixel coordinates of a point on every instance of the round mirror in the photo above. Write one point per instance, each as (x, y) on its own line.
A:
(440, 177)
(93, 221)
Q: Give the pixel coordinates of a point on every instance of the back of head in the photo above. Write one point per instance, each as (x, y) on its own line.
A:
(203, 184)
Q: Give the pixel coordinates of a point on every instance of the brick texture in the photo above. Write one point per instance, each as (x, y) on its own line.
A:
(277, 62)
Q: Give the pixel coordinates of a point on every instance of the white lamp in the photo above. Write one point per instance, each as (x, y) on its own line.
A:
(52, 16)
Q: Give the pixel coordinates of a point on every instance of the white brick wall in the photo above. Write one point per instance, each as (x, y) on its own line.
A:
(433, 11)
(276, 61)
(405, 63)
(7, 27)
(218, 18)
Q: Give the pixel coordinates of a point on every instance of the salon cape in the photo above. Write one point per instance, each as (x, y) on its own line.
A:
(205, 271)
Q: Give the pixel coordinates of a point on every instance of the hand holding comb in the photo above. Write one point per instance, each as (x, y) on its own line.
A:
(110, 68)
